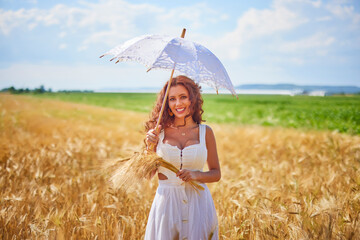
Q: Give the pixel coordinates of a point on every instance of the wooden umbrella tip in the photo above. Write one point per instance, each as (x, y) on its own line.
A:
(183, 33)
(102, 56)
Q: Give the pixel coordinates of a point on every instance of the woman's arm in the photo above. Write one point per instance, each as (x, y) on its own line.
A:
(214, 173)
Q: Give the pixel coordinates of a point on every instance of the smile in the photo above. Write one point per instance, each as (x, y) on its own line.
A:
(180, 110)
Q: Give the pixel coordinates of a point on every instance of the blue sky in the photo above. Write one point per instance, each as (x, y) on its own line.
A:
(58, 43)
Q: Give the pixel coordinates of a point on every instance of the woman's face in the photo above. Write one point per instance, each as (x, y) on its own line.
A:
(179, 101)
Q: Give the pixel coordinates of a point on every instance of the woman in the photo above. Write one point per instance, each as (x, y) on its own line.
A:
(178, 211)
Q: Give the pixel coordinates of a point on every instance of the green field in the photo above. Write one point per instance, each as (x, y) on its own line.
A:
(340, 113)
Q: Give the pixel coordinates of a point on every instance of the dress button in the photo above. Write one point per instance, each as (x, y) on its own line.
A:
(184, 201)
(185, 238)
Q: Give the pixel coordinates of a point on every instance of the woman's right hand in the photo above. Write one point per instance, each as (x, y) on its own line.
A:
(152, 138)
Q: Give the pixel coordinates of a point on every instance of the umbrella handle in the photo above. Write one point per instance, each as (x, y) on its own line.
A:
(152, 147)
(168, 87)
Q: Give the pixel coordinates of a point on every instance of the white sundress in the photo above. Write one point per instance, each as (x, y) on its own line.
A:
(178, 211)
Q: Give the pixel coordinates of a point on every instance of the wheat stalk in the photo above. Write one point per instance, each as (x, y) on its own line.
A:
(133, 170)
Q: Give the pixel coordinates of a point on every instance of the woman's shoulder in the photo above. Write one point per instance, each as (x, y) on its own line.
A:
(209, 130)
(209, 135)
(206, 126)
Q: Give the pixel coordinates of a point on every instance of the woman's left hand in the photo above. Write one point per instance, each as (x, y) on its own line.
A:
(187, 175)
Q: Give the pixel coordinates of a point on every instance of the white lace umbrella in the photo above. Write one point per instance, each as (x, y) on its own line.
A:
(177, 54)
(164, 52)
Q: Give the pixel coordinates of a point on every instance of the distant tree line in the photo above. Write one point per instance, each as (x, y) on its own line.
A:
(38, 90)
(13, 90)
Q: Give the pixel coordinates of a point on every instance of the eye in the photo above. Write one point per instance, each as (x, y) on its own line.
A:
(183, 97)
(172, 99)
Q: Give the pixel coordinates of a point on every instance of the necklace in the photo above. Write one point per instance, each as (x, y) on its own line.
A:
(183, 133)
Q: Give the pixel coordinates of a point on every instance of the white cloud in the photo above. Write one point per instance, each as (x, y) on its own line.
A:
(32, 1)
(342, 11)
(7, 18)
(110, 21)
(109, 14)
(323, 19)
(281, 3)
(82, 48)
(297, 61)
(280, 31)
(62, 46)
(316, 41)
(196, 16)
(62, 34)
(31, 18)
(258, 23)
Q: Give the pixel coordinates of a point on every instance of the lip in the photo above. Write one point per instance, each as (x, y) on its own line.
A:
(180, 110)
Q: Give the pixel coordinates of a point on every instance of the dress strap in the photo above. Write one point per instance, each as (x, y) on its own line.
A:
(202, 130)
(161, 135)
(161, 139)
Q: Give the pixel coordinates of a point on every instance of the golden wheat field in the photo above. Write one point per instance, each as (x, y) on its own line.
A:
(276, 183)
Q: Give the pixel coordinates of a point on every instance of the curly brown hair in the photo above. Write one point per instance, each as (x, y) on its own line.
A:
(196, 100)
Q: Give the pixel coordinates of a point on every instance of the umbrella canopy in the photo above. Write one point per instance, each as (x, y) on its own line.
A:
(186, 57)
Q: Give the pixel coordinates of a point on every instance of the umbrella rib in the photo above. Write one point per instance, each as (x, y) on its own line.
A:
(117, 56)
(152, 64)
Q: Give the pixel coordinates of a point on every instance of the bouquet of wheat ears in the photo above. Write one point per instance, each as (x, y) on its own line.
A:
(138, 167)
